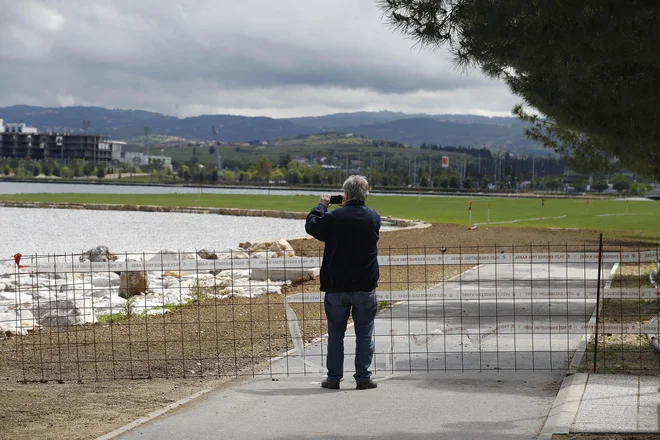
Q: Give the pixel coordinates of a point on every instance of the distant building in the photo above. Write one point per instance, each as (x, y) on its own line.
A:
(135, 158)
(19, 141)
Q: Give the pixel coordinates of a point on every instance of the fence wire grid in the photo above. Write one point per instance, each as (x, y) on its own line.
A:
(215, 314)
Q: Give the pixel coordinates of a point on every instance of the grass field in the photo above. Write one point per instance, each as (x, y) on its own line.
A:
(596, 214)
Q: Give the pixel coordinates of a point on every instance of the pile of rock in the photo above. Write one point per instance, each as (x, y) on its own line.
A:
(31, 300)
(280, 248)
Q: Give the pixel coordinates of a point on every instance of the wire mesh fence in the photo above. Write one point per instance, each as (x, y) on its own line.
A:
(199, 314)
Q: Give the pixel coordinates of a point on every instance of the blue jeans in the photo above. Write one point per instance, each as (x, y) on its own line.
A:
(338, 307)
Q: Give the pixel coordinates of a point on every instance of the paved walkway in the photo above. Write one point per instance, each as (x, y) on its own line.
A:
(617, 403)
(415, 406)
(491, 404)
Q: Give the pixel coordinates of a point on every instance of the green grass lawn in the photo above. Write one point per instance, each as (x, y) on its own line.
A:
(597, 215)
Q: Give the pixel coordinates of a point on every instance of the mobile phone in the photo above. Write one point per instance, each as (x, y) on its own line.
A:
(336, 200)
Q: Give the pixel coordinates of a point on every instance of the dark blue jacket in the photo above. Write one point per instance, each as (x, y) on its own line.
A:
(350, 258)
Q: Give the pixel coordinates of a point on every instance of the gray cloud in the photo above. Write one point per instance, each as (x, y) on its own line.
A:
(277, 58)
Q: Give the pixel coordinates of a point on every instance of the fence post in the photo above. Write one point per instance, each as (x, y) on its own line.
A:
(600, 256)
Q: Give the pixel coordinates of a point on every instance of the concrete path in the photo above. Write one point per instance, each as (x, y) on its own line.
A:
(416, 406)
(466, 404)
(425, 335)
(617, 403)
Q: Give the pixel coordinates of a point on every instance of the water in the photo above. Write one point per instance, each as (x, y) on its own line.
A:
(90, 188)
(42, 231)
(56, 188)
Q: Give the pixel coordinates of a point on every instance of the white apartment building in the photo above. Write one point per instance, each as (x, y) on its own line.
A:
(16, 128)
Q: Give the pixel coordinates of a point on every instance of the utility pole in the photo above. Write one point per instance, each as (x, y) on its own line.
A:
(414, 171)
(495, 171)
(430, 177)
(409, 174)
(371, 167)
(147, 131)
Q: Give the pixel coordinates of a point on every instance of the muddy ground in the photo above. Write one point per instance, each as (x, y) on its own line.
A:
(79, 383)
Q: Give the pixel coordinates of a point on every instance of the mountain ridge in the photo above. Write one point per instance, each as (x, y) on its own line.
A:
(412, 129)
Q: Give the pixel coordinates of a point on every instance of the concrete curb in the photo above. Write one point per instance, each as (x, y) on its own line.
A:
(582, 347)
(566, 405)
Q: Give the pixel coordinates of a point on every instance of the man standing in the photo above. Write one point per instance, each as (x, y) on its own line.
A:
(349, 276)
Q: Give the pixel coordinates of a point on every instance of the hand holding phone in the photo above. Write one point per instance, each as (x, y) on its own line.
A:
(336, 200)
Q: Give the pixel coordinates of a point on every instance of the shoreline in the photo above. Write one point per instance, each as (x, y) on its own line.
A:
(278, 187)
(388, 221)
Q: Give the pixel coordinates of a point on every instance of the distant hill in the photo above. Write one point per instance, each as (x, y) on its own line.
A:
(122, 124)
(343, 120)
(501, 133)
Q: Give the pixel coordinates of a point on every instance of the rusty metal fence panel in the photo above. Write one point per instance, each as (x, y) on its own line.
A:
(200, 314)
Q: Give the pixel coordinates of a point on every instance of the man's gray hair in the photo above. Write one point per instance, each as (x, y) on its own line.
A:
(356, 188)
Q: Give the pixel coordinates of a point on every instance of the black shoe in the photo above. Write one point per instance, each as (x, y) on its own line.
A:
(366, 385)
(330, 384)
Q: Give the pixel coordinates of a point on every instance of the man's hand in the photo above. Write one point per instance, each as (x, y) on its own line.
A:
(325, 200)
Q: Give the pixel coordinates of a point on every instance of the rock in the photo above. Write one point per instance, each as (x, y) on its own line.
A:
(225, 255)
(206, 255)
(16, 321)
(282, 248)
(64, 312)
(290, 273)
(223, 282)
(264, 254)
(175, 274)
(24, 297)
(238, 291)
(99, 254)
(133, 283)
(100, 293)
(172, 256)
(235, 273)
(245, 245)
(271, 289)
(260, 246)
(170, 281)
(111, 279)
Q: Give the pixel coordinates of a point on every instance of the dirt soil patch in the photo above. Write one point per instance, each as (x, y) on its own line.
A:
(623, 353)
(73, 382)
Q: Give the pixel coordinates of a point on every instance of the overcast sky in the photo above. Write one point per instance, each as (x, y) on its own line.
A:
(279, 58)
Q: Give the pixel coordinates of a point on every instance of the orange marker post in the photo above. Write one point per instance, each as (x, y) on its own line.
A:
(488, 213)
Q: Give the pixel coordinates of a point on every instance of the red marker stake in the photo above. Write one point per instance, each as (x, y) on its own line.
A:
(470, 211)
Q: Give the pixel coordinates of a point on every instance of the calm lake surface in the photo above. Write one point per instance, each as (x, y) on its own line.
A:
(29, 231)
(90, 188)
(60, 231)
(82, 188)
